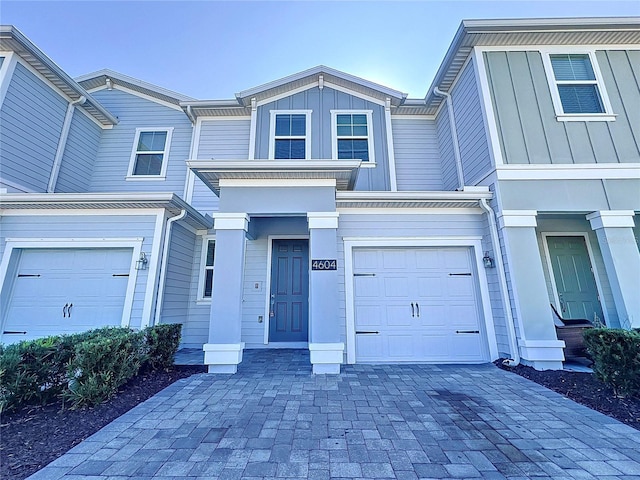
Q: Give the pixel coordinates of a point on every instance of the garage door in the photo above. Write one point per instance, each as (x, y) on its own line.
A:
(417, 305)
(66, 291)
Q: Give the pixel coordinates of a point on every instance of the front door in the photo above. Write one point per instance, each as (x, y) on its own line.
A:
(289, 296)
(575, 282)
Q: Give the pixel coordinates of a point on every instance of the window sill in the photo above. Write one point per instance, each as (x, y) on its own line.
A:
(145, 178)
(203, 301)
(368, 165)
(587, 117)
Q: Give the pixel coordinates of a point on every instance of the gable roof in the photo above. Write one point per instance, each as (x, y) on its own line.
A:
(528, 32)
(12, 39)
(99, 79)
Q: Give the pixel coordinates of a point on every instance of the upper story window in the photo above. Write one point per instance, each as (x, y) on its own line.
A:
(577, 88)
(351, 135)
(290, 134)
(150, 154)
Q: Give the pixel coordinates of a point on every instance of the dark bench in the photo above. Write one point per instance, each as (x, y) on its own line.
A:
(571, 333)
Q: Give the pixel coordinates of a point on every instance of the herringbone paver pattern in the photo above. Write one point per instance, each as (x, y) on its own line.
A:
(273, 419)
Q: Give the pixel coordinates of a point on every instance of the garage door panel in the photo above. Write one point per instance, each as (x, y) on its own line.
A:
(422, 277)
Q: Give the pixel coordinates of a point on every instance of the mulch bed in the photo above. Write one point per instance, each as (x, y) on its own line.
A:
(586, 389)
(33, 437)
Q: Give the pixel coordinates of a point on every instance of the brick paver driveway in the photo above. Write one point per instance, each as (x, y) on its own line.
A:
(274, 419)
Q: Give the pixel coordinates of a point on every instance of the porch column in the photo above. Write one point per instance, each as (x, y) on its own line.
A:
(223, 353)
(325, 348)
(539, 346)
(614, 229)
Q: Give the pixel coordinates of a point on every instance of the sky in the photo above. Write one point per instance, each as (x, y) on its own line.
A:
(214, 49)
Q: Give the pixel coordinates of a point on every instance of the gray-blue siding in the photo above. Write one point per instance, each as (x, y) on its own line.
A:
(79, 156)
(219, 140)
(417, 154)
(175, 305)
(89, 227)
(447, 158)
(321, 102)
(31, 121)
(116, 145)
(472, 139)
(1, 61)
(527, 126)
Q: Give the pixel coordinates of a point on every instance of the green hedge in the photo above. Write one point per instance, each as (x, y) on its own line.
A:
(86, 368)
(616, 358)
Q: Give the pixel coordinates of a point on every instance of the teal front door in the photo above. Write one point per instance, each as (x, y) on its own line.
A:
(289, 296)
(574, 279)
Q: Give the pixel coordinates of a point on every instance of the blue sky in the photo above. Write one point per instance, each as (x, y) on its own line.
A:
(212, 49)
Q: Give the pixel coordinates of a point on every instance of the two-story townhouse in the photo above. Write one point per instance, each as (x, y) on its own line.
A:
(349, 219)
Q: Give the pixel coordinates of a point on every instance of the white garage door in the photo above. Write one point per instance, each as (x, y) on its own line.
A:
(66, 291)
(417, 305)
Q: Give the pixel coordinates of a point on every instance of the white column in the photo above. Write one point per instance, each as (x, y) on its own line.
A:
(614, 229)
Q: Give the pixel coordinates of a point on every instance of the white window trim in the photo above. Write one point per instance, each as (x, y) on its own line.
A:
(334, 134)
(200, 298)
(165, 155)
(607, 116)
(272, 131)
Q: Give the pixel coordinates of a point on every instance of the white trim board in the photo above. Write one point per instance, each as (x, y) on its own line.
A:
(552, 278)
(135, 243)
(6, 73)
(473, 242)
(586, 171)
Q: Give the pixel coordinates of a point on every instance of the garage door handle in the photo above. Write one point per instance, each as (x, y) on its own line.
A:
(418, 309)
(69, 309)
(412, 312)
(362, 332)
(467, 331)
(64, 310)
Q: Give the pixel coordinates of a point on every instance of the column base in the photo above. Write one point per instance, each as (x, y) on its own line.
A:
(542, 354)
(326, 358)
(223, 357)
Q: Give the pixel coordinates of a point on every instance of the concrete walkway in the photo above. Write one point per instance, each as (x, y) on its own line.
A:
(274, 419)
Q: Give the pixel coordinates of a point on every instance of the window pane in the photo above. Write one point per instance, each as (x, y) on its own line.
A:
(289, 149)
(297, 149)
(283, 125)
(210, 252)
(344, 119)
(580, 99)
(345, 149)
(361, 150)
(572, 67)
(359, 119)
(208, 283)
(298, 125)
(282, 150)
(359, 131)
(344, 130)
(148, 164)
(152, 141)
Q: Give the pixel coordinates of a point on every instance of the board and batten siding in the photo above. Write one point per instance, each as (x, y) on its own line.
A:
(116, 145)
(175, 304)
(527, 127)
(417, 154)
(447, 158)
(321, 102)
(79, 156)
(53, 226)
(472, 138)
(219, 140)
(31, 121)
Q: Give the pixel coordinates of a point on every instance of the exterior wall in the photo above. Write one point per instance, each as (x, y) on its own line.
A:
(417, 154)
(31, 121)
(181, 252)
(195, 331)
(528, 130)
(219, 140)
(274, 200)
(579, 225)
(116, 145)
(472, 138)
(51, 226)
(1, 61)
(447, 158)
(322, 102)
(79, 156)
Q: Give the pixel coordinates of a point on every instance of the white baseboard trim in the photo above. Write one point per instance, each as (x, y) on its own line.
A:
(326, 358)
(542, 354)
(223, 357)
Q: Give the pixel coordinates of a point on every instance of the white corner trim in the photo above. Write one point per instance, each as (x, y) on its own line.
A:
(231, 221)
(272, 131)
(393, 179)
(277, 182)
(322, 219)
(190, 178)
(584, 171)
(62, 144)
(165, 154)
(611, 219)
(517, 218)
(6, 73)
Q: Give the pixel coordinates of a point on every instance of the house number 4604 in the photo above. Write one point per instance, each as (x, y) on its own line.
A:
(323, 264)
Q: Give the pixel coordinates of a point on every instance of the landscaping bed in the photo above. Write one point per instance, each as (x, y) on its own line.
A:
(586, 389)
(35, 436)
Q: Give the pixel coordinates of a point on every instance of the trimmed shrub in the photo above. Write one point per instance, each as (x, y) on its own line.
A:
(163, 342)
(102, 363)
(616, 358)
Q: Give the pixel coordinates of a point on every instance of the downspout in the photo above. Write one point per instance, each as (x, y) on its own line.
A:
(163, 265)
(502, 280)
(454, 135)
(62, 143)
